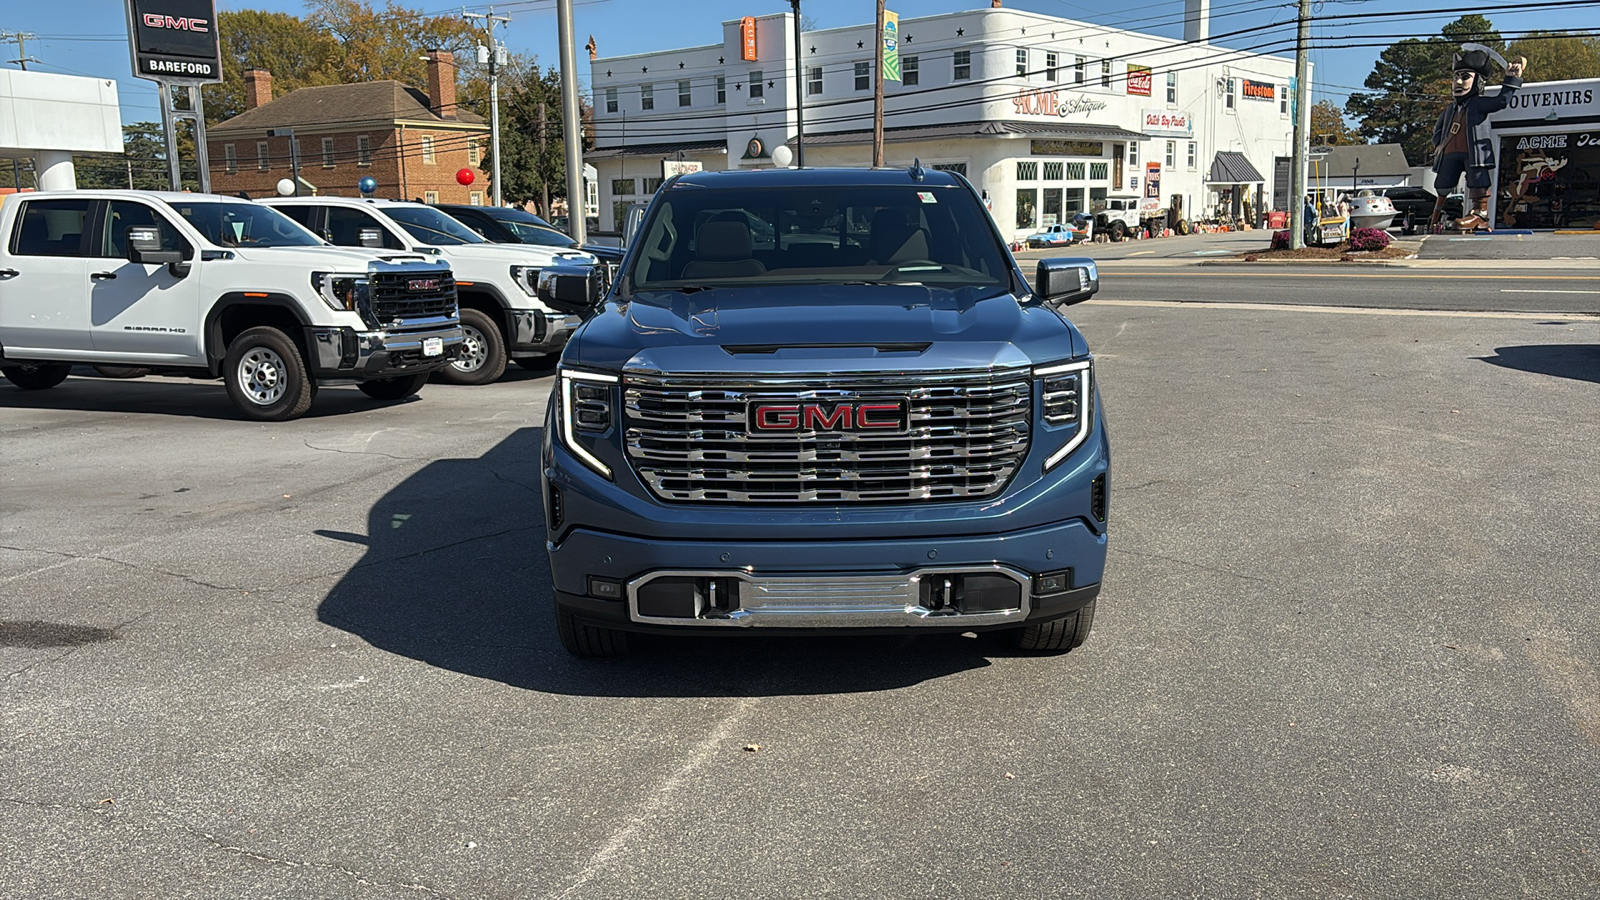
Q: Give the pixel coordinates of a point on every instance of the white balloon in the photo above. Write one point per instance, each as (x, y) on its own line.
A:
(285, 187)
(782, 156)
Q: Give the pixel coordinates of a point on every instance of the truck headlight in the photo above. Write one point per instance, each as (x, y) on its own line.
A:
(527, 278)
(1067, 403)
(342, 292)
(588, 410)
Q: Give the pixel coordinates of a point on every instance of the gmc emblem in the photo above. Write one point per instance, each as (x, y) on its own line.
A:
(423, 284)
(156, 20)
(822, 415)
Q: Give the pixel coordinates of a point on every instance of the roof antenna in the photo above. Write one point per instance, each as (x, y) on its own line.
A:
(916, 169)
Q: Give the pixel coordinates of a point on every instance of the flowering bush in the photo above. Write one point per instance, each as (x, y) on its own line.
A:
(1368, 239)
(1280, 240)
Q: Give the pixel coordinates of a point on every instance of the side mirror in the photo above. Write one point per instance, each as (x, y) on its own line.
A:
(571, 288)
(370, 237)
(144, 248)
(1063, 282)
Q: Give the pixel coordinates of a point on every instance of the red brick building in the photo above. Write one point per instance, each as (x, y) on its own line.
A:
(412, 143)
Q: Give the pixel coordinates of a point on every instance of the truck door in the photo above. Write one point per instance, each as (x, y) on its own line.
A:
(139, 310)
(44, 281)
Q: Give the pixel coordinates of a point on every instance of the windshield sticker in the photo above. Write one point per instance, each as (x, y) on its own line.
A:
(927, 197)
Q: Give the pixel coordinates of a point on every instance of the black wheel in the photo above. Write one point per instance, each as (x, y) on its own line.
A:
(482, 357)
(266, 376)
(589, 641)
(1119, 230)
(545, 363)
(396, 388)
(1182, 226)
(37, 376)
(1057, 636)
(122, 371)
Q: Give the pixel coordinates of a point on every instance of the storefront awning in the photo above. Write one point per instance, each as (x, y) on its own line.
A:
(1062, 131)
(1230, 167)
(657, 149)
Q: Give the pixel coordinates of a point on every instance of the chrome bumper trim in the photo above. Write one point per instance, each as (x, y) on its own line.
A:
(540, 331)
(376, 352)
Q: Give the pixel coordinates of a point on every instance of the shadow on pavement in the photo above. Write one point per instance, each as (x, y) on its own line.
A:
(164, 396)
(456, 576)
(1580, 362)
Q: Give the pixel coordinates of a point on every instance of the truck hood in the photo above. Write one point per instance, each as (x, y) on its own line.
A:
(810, 327)
(512, 254)
(329, 259)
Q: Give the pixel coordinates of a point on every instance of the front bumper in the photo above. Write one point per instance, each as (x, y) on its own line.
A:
(538, 331)
(343, 352)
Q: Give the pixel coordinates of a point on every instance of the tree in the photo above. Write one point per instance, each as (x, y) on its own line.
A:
(1328, 125)
(1553, 56)
(142, 165)
(533, 137)
(1412, 81)
(297, 53)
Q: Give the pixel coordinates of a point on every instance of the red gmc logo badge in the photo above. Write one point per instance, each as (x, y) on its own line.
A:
(821, 415)
(423, 284)
(156, 20)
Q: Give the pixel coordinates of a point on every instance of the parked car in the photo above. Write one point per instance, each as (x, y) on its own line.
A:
(503, 225)
(1414, 206)
(1061, 234)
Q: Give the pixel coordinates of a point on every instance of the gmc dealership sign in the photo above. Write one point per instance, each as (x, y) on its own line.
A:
(175, 40)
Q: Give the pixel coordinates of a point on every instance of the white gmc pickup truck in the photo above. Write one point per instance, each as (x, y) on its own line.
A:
(209, 286)
(502, 318)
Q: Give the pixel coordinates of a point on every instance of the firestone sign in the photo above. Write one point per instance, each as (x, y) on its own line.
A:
(175, 40)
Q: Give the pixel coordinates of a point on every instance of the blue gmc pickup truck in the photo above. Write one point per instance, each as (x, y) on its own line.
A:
(824, 401)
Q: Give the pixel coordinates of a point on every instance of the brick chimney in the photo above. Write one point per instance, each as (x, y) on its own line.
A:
(442, 83)
(257, 88)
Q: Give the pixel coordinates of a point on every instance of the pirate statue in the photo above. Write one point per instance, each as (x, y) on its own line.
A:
(1461, 139)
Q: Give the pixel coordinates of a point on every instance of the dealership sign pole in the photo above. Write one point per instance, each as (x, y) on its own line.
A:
(174, 43)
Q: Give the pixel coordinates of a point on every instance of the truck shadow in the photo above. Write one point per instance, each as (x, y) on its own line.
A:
(163, 396)
(1580, 362)
(455, 575)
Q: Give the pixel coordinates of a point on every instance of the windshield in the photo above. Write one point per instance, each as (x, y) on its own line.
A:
(529, 233)
(244, 225)
(430, 226)
(910, 234)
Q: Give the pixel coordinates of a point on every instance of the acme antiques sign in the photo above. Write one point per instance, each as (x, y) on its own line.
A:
(1039, 102)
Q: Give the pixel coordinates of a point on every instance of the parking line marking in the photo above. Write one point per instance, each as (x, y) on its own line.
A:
(1527, 291)
(1348, 310)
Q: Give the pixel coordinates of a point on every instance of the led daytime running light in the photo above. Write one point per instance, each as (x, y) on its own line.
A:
(569, 415)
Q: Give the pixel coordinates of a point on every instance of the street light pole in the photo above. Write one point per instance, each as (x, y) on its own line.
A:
(572, 127)
(1302, 128)
(799, 93)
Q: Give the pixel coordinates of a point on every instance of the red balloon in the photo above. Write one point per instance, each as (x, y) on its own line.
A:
(464, 176)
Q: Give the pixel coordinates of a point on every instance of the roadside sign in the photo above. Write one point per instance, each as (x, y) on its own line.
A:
(175, 41)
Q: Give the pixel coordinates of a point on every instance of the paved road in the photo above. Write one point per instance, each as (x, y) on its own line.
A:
(1346, 649)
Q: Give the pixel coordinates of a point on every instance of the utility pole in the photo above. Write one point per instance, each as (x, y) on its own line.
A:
(1302, 128)
(572, 128)
(877, 93)
(495, 56)
(544, 180)
(799, 93)
(21, 37)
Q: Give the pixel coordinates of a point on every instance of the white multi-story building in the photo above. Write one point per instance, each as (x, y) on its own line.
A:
(1045, 115)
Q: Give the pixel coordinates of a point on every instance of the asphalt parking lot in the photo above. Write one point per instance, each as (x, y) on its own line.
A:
(1346, 649)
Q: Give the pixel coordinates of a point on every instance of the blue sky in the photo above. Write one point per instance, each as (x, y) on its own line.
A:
(89, 37)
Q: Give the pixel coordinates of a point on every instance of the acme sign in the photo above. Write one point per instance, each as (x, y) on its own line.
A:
(873, 416)
(174, 40)
(1048, 103)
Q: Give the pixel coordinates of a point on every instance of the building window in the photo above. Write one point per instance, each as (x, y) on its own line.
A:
(1052, 171)
(683, 92)
(1079, 68)
(958, 168)
(1230, 102)
(430, 196)
(1075, 171)
(1133, 153)
(722, 89)
(813, 81)
(1283, 103)
(263, 159)
(1172, 153)
(231, 159)
(1022, 63)
(1027, 170)
(1191, 155)
(963, 65)
(621, 186)
(475, 198)
(1074, 202)
(1052, 206)
(863, 76)
(1172, 88)
(1099, 171)
(1097, 198)
(910, 71)
(474, 152)
(327, 153)
(611, 100)
(647, 96)
(758, 89)
(1027, 203)
(651, 185)
(363, 150)
(1105, 73)
(427, 150)
(1051, 71)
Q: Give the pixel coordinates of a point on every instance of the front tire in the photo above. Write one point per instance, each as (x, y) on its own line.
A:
(396, 388)
(482, 357)
(266, 376)
(1119, 230)
(589, 641)
(1058, 635)
(37, 376)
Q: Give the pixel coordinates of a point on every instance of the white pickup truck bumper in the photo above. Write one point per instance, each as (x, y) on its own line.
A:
(345, 352)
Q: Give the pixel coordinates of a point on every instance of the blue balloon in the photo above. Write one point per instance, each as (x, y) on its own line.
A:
(368, 184)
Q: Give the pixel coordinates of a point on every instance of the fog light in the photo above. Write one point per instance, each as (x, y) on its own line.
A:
(605, 590)
(1052, 583)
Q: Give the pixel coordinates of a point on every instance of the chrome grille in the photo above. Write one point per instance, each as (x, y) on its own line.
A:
(688, 438)
(392, 299)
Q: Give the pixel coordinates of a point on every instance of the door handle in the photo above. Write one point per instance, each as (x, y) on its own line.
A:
(9, 273)
(103, 276)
